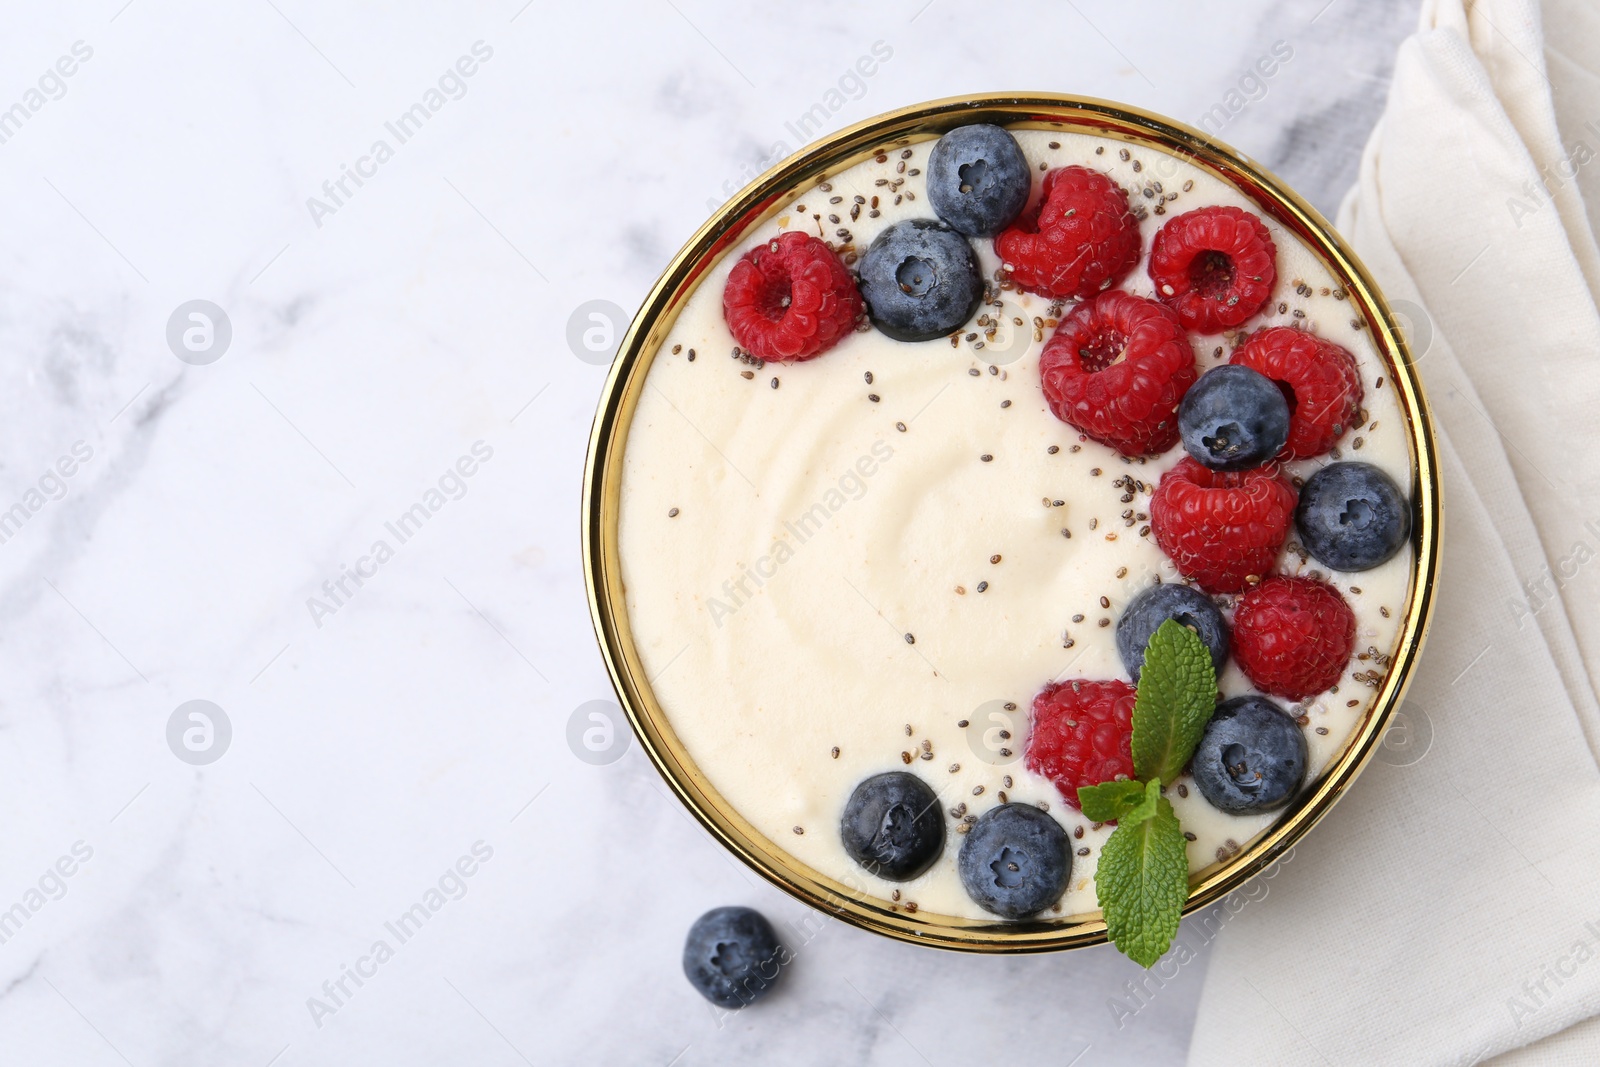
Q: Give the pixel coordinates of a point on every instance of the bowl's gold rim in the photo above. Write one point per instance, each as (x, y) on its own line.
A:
(760, 200)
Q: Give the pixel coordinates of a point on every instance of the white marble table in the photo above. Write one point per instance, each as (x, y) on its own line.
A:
(382, 732)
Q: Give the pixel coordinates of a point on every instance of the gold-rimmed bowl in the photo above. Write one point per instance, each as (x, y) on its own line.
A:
(765, 197)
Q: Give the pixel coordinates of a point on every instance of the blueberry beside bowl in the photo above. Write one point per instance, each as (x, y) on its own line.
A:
(732, 956)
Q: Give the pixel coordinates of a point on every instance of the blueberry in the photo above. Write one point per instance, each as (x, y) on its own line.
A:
(1352, 516)
(1146, 612)
(920, 280)
(978, 179)
(1252, 756)
(1016, 861)
(1233, 419)
(892, 826)
(732, 956)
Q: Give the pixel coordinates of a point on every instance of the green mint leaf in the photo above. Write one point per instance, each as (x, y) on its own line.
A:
(1177, 694)
(1147, 806)
(1142, 882)
(1110, 801)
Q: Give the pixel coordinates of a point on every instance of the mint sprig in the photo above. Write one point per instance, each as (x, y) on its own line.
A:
(1142, 880)
(1177, 694)
(1110, 801)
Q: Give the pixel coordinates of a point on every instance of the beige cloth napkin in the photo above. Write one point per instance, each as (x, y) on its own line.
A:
(1448, 911)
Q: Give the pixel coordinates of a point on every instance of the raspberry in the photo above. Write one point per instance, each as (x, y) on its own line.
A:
(1082, 734)
(1116, 369)
(1318, 378)
(1293, 636)
(790, 299)
(1214, 266)
(1079, 239)
(1222, 530)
